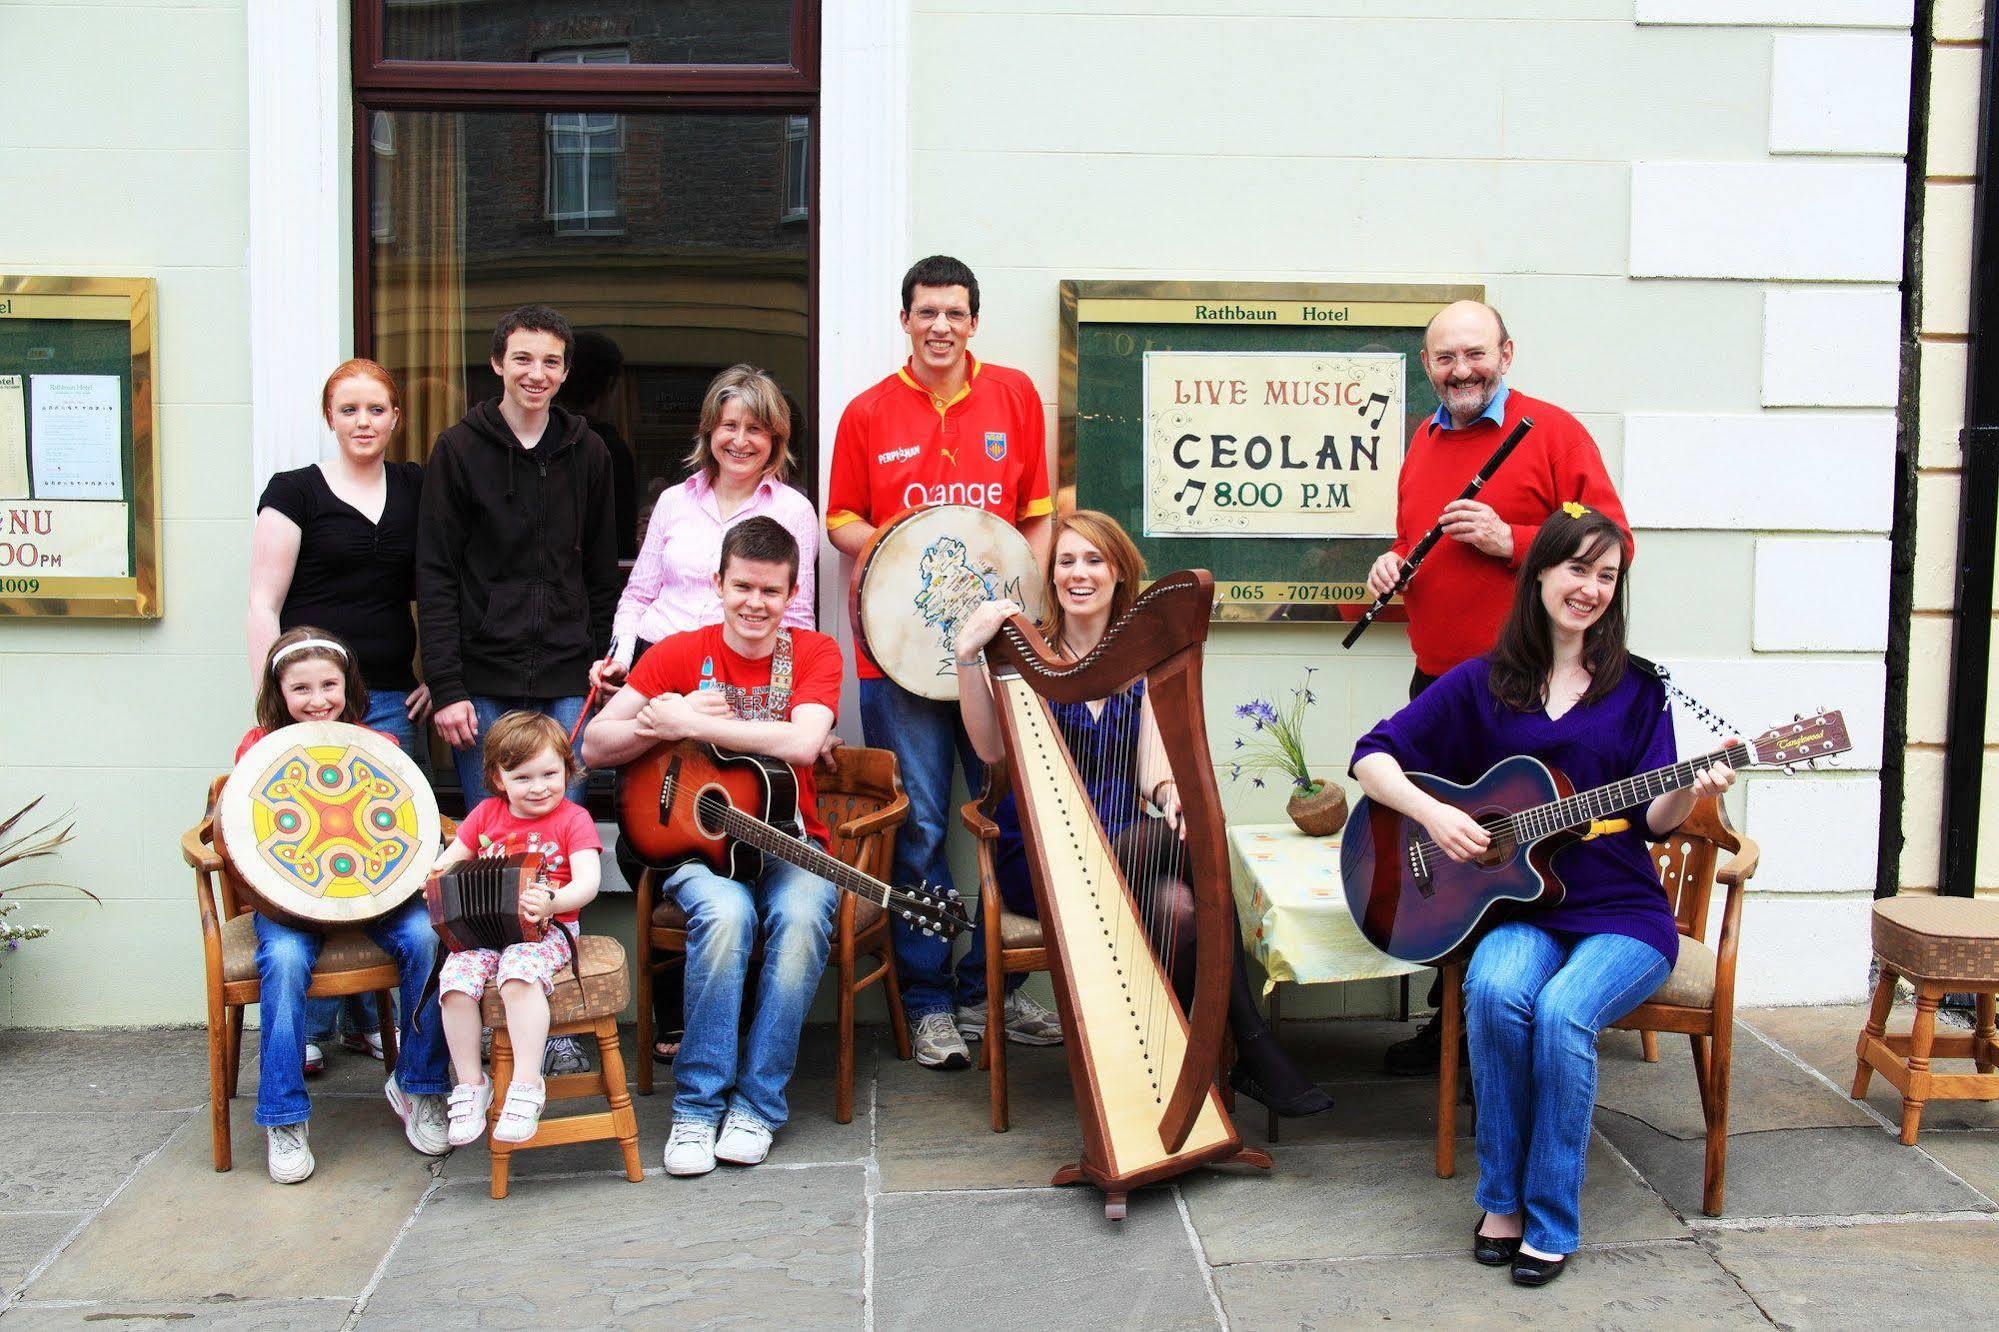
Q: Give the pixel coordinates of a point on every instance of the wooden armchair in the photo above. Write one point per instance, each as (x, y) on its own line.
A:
(863, 804)
(350, 963)
(1013, 943)
(1698, 999)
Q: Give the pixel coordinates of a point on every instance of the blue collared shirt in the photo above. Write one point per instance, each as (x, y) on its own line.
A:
(1495, 411)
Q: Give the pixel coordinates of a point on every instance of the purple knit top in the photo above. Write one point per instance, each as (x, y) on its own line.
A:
(1456, 729)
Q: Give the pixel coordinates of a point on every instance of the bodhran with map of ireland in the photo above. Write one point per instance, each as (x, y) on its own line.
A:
(327, 825)
(922, 574)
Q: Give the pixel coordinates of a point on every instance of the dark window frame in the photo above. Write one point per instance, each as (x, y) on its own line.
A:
(400, 85)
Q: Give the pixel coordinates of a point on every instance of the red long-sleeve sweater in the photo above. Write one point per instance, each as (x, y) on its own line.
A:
(1460, 596)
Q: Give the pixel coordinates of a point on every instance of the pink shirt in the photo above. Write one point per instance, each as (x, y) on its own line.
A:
(672, 587)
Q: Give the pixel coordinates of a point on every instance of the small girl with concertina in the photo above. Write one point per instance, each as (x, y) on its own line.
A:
(310, 676)
(528, 761)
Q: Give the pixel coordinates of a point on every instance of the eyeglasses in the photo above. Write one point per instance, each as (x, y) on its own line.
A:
(927, 314)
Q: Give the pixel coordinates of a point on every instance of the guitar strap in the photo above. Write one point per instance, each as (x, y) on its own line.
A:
(1713, 720)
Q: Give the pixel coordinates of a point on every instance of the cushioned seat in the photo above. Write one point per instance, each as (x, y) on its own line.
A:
(1939, 938)
(1692, 983)
(669, 916)
(344, 950)
(606, 986)
(1019, 931)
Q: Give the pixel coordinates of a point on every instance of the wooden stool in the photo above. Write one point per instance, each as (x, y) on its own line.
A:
(594, 1010)
(1943, 945)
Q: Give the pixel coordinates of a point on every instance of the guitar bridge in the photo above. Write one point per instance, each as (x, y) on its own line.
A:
(666, 790)
(1419, 870)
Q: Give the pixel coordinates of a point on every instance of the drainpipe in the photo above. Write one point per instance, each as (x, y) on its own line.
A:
(1978, 510)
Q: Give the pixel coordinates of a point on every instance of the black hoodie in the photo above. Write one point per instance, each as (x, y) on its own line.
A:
(516, 559)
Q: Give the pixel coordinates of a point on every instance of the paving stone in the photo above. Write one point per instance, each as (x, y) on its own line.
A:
(324, 1237)
(1399, 1108)
(1665, 1285)
(812, 1136)
(766, 1247)
(209, 1316)
(1825, 1038)
(937, 1253)
(1795, 1172)
(1345, 1049)
(933, 1129)
(1935, 1274)
(158, 1068)
(1382, 1198)
(28, 1237)
(1766, 1090)
(1973, 1157)
(71, 1160)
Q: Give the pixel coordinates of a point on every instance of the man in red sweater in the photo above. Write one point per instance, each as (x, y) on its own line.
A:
(1459, 597)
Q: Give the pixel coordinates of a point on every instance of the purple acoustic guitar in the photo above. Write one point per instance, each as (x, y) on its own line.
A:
(1415, 903)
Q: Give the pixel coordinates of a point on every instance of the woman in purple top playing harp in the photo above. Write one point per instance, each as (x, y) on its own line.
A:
(1559, 686)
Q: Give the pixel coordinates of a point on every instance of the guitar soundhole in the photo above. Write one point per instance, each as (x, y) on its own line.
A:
(1503, 844)
(710, 804)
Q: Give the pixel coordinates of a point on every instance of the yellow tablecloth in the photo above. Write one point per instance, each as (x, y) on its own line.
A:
(1294, 910)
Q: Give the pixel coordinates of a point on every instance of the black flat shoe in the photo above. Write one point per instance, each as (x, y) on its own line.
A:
(1307, 1100)
(1531, 1271)
(1491, 1251)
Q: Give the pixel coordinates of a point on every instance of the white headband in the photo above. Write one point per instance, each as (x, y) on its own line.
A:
(305, 643)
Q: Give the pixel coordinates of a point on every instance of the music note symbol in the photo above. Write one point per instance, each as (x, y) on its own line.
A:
(1382, 411)
(1198, 487)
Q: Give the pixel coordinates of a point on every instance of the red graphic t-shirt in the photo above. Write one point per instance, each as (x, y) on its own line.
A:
(493, 830)
(701, 658)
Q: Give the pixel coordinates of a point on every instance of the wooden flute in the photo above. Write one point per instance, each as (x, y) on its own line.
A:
(1430, 538)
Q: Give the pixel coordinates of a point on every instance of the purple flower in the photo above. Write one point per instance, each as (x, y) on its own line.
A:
(1238, 742)
(1256, 782)
(1263, 712)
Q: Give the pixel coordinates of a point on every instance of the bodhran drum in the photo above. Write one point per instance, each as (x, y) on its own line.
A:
(327, 825)
(922, 575)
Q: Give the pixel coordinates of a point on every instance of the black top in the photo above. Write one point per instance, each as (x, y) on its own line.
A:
(354, 577)
(517, 565)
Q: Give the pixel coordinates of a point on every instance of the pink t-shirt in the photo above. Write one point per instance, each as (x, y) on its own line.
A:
(672, 587)
(492, 830)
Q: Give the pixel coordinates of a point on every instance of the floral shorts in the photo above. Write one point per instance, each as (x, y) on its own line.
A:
(471, 971)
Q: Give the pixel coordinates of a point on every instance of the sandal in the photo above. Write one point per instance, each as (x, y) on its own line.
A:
(666, 1047)
(521, 1114)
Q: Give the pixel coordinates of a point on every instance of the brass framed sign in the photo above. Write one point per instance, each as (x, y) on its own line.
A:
(1252, 429)
(79, 475)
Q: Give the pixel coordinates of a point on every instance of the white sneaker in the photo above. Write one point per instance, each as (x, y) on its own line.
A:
(743, 1140)
(521, 1114)
(288, 1154)
(315, 1059)
(1027, 1022)
(368, 1043)
(690, 1149)
(937, 1043)
(465, 1113)
(564, 1055)
(424, 1119)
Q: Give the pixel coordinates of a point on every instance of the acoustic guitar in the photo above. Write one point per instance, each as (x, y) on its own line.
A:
(690, 800)
(1415, 903)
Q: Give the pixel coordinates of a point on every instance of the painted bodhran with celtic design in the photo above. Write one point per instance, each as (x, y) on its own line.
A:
(327, 825)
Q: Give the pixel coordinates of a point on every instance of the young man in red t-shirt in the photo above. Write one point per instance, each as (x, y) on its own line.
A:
(943, 429)
(1459, 597)
(751, 685)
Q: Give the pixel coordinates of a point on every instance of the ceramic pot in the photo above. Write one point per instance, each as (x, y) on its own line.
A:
(1319, 812)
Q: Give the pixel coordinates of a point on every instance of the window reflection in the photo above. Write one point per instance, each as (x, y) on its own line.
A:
(686, 255)
(656, 32)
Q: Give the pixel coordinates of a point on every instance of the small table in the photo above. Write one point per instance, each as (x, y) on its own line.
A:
(1295, 921)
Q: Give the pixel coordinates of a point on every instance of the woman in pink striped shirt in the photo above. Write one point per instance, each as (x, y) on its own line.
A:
(741, 458)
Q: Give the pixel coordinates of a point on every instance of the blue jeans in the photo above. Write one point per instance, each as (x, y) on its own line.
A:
(325, 1019)
(1534, 1003)
(471, 762)
(924, 735)
(1016, 890)
(715, 1070)
(285, 958)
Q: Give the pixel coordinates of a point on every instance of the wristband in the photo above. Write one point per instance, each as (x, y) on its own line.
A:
(978, 660)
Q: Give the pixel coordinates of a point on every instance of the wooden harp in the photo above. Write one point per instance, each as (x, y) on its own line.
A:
(1143, 1068)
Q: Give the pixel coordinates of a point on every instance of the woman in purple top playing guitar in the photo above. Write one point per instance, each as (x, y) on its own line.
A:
(1558, 686)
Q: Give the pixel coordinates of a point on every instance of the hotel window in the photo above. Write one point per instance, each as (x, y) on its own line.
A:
(797, 168)
(584, 152)
(381, 177)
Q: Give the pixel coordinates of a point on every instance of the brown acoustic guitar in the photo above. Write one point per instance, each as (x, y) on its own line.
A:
(689, 800)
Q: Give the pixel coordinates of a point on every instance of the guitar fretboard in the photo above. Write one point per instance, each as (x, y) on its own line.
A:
(1585, 807)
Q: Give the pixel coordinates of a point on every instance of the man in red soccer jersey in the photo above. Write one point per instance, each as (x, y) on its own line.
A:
(1459, 597)
(751, 685)
(945, 428)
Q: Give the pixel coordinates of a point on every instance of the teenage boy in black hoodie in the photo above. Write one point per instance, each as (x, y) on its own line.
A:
(517, 550)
